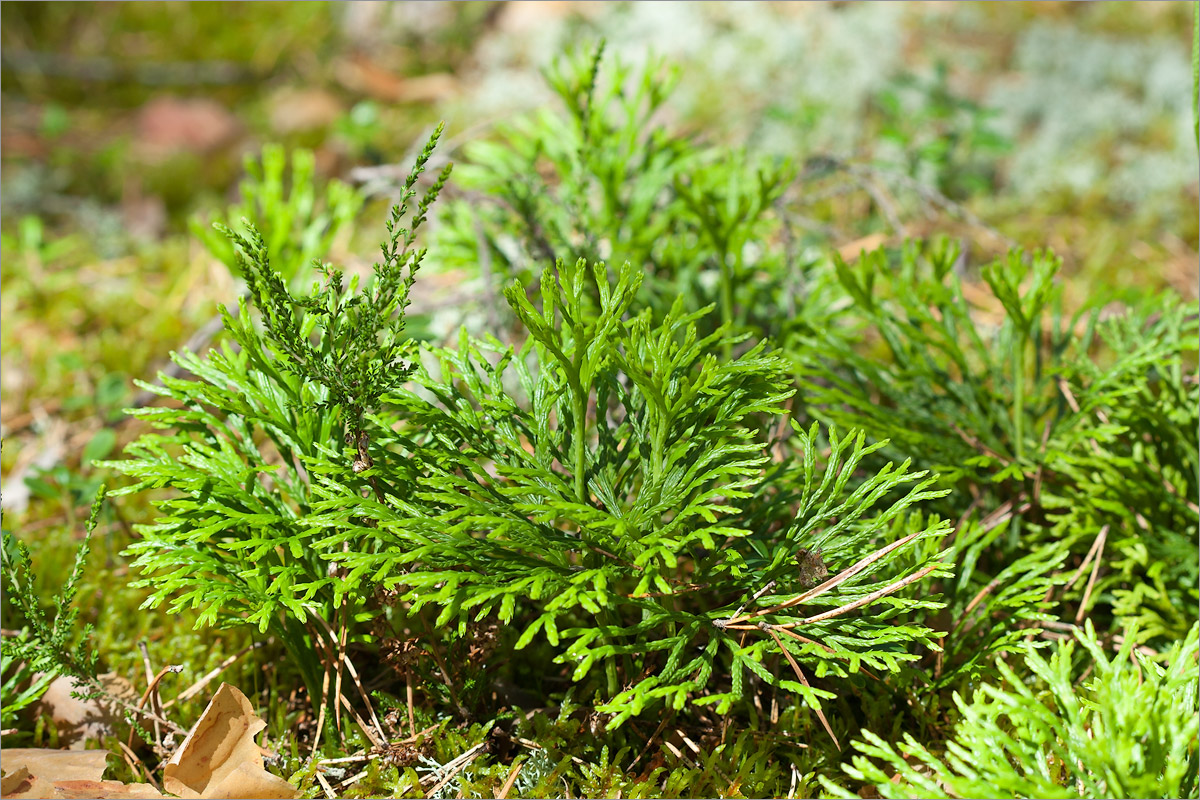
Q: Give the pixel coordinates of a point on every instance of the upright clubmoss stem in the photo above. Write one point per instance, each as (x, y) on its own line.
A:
(727, 303)
(1018, 412)
(581, 446)
(1018, 409)
(580, 397)
(581, 400)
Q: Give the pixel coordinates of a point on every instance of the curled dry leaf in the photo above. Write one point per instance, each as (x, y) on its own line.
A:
(31, 773)
(219, 758)
(360, 74)
(67, 765)
(168, 125)
(292, 110)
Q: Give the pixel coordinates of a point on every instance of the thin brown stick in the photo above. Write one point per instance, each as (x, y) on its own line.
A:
(154, 706)
(176, 668)
(361, 755)
(339, 643)
(535, 746)
(173, 369)
(653, 736)
(1065, 388)
(454, 767)
(836, 580)
(1087, 592)
(675, 751)
(984, 592)
(353, 779)
(827, 649)
(198, 686)
(1004, 512)
(325, 786)
(1070, 398)
(695, 748)
(934, 197)
(978, 445)
(137, 708)
(867, 599)
(784, 428)
(997, 515)
(376, 741)
(510, 780)
(321, 709)
(345, 659)
(1097, 543)
(437, 656)
(882, 200)
(1191, 504)
(768, 586)
(1059, 626)
(146, 660)
(367, 755)
(958, 526)
(408, 693)
(1079, 681)
(1146, 650)
(800, 674)
(136, 764)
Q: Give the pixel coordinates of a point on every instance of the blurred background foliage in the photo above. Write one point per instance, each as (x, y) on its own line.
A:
(127, 126)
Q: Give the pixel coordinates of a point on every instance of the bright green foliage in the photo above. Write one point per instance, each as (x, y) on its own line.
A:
(604, 510)
(945, 373)
(995, 605)
(606, 180)
(238, 455)
(1131, 465)
(360, 341)
(268, 417)
(49, 647)
(1058, 427)
(1126, 727)
(642, 483)
(299, 221)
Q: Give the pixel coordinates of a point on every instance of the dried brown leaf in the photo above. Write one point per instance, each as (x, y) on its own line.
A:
(36, 773)
(219, 758)
(63, 765)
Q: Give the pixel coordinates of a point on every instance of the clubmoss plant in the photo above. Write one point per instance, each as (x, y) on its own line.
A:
(300, 221)
(1128, 730)
(603, 507)
(1068, 432)
(605, 178)
(269, 419)
(679, 503)
(45, 647)
(589, 488)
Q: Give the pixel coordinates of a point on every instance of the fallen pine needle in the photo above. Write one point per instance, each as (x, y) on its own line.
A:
(199, 685)
(803, 680)
(325, 785)
(353, 779)
(510, 780)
